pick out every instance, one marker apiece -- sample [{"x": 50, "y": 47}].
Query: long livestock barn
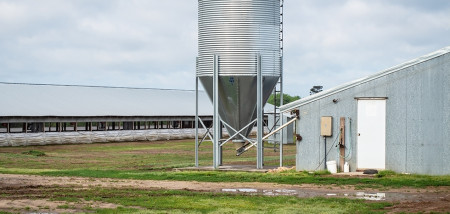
[
  {"x": 33, "y": 114},
  {"x": 40, "y": 114}
]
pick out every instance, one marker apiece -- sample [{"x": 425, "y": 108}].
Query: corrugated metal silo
[{"x": 238, "y": 32}]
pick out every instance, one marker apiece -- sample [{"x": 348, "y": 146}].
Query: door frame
[{"x": 358, "y": 128}]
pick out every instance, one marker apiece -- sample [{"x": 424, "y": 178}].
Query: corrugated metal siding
[
  {"x": 34, "y": 139},
  {"x": 417, "y": 120}
]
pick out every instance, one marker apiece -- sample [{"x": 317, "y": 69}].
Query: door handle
[{"x": 359, "y": 134}]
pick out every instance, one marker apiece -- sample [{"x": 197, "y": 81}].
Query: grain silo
[{"x": 237, "y": 40}]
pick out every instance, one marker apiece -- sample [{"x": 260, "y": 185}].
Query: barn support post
[
  {"x": 196, "y": 122},
  {"x": 220, "y": 147}
]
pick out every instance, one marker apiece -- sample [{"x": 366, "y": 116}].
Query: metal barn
[
  {"x": 41, "y": 114},
  {"x": 33, "y": 114},
  {"x": 397, "y": 119}
]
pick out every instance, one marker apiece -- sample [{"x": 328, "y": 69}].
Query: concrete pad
[
  {"x": 233, "y": 168},
  {"x": 352, "y": 174}
]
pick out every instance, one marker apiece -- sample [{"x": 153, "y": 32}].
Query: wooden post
[{"x": 342, "y": 144}]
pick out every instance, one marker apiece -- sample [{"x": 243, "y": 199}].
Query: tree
[
  {"x": 315, "y": 89},
  {"x": 286, "y": 99}
]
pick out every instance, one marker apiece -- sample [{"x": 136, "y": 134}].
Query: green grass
[
  {"x": 391, "y": 181},
  {"x": 384, "y": 173},
  {"x": 130, "y": 156},
  {"x": 34, "y": 153},
  {"x": 153, "y": 161},
  {"x": 175, "y": 201}
]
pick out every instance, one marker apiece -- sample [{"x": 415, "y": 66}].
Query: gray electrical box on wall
[{"x": 326, "y": 126}]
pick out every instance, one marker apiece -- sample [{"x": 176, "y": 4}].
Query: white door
[{"x": 371, "y": 134}]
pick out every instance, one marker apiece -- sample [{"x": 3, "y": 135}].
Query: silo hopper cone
[{"x": 238, "y": 101}]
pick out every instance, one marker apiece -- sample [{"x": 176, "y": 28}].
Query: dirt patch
[
  {"x": 12, "y": 180},
  {"x": 155, "y": 151},
  {"x": 440, "y": 206},
  {"x": 44, "y": 205},
  {"x": 435, "y": 199},
  {"x": 280, "y": 169}
]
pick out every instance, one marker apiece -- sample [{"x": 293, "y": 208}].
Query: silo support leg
[
  {"x": 216, "y": 117},
  {"x": 260, "y": 148}
]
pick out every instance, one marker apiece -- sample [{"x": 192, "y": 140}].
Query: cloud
[
  {"x": 84, "y": 42},
  {"x": 152, "y": 43},
  {"x": 330, "y": 43}
]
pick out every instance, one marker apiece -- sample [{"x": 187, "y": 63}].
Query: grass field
[
  {"x": 174, "y": 201},
  {"x": 154, "y": 161},
  {"x": 146, "y": 156}
]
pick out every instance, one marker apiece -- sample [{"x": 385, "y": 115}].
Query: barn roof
[
  {"x": 19, "y": 99},
  {"x": 312, "y": 98},
  {"x": 40, "y": 100}
]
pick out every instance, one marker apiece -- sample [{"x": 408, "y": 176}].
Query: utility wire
[
  {"x": 335, "y": 140},
  {"x": 92, "y": 86}
]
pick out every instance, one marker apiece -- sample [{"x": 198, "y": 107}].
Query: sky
[{"x": 153, "y": 43}]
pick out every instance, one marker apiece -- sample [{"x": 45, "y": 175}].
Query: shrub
[
  {"x": 384, "y": 173},
  {"x": 34, "y": 153}
]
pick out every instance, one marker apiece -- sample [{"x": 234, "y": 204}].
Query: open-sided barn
[
  {"x": 37, "y": 114},
  {"x": 40, "y": 114}
]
